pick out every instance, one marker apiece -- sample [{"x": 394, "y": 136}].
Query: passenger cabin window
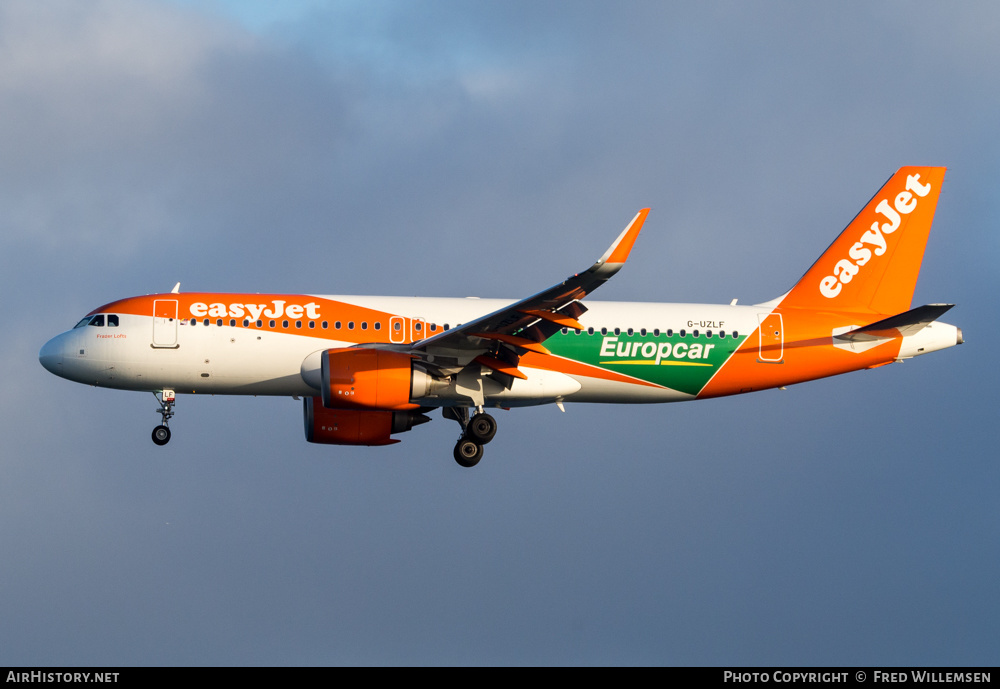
[
  {"x": 378, "y": 325},
  {"x": 98, "y": 320}
]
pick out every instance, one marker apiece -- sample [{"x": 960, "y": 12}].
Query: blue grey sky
[{"x": 490, "y": 149}]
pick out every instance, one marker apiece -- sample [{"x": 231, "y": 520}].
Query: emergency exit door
[{"x": 772, "y": 338}]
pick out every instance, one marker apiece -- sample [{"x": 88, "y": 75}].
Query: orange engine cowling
[
  {"x": 356, "y": 378},
  {"x": 353, "y": 427}
]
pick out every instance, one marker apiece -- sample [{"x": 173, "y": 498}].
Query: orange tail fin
[{"x": 874, "y": 263}]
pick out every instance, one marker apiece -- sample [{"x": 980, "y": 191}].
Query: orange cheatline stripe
[
  {"x": 522, "y": 342},
  {"x": 501, "y": 366},
  {"x": 328, "y": 310},
  {"x": 557, "y": 318}
]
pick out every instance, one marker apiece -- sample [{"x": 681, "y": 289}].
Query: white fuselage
[{"x": 226, "y": 360}]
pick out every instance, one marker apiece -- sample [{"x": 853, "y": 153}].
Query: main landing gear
[
  {"x": 161, "y": 434},
  {"x": 475, "y": 433}
]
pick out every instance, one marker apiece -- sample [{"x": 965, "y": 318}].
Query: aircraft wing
[{"x": 497, "y": 340}]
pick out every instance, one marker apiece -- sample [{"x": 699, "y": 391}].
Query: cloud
[{"x": 453, "y": 149}]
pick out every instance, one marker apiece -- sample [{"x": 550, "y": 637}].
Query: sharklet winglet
[{"x": 618, "y": 252}]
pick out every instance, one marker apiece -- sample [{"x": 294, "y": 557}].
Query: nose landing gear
[
  {"x": 161, "y": 434},
  {"x": 475, "y": 433}
]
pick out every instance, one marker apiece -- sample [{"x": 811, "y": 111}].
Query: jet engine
[
  {"x": 370, "y": 379},
  {"x": 353, "y": 427}
]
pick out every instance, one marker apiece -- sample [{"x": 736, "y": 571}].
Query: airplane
[{"x": 368, "y": 368}]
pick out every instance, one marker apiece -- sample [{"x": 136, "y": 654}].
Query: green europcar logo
[
  {"x": 680, "y": 362},
  {"x": 655, "y": 353}
]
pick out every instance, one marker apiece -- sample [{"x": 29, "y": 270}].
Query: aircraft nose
[{"x": 51, "y": 356}]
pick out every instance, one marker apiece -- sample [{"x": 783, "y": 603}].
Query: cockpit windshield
[{"x": 98, "y": 321}]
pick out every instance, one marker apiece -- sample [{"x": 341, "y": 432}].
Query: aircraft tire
[
  {"x": 468, "y": 453},
  {"x": 161, "y": 435},
  {"x": 481, "y": 429}
]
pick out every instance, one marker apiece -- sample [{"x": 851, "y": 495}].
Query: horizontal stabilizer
[{"x": 902, "y": 324}]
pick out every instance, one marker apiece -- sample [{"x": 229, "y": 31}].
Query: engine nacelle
[
  {"x": 359, "y": 378},
  {"x": 353, "y": 427}
]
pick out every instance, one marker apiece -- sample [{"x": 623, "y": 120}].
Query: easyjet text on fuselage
[{"x": 275, "y": 309}]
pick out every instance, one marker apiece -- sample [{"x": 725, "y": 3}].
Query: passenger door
[{"x": 165, "y": 323}]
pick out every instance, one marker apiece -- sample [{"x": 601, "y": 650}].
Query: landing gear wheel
[
  {"x": 481, "y": 429},
  {"x": 161, "y": 435},
  {"x": 167, "y": 399},
  {"x": 468, "y": 453}
]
